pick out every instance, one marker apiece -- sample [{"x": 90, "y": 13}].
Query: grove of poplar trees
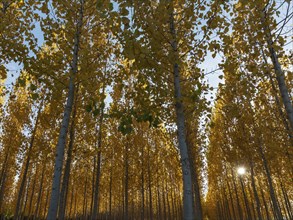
[{"x": 107, "y": 112}]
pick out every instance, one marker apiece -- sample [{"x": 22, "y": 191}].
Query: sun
[{"x": 241, "y": 170}]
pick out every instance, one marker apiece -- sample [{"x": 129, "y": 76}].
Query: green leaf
[
  {"x": 96, "y": 112},
  {"x": 88, "y": 108},
  {"x": 111, "y": 7},
  {"x": 35, "y": 96}
]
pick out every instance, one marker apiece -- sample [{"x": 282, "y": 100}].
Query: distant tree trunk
[
  {"x": 270, "y": 182},
  {"x": 240, "y": 214},
  {"x": 66, "y": 175},
  {"x": 32, "y": 193},
  {"x": 226, "y": 204},
  {"x": 26, "y": 196},
  {"x": 84, "y": 209},
  {"x": 55, "y": 193},
  {"x": 3, "y": 178},
  {"x": 168, "y": 202},
  {"x": 173, "y": 204},
  {"x": 158, "y": 198},
  {"x": 286, "y": 199},
  {"x": 38, "y": 205},
  {"x": 150, "y": 186},
  {"x": 231, "y": 198},
  {"x": 164, "y": 203},
  {"x": 188, "y": 213},
  {"x": 142, "y": 183},
  {"x": 93, "y": 184},
  {"x": 126, "y": 166},
  {"x": 27, "y": 163},
  {"x": 46, "y": 203},
  {"x": 110, "y": 188},
  {"x": 248, "y": 213},
  {"x": 265, "y": 204},
  {"x": 256, "y": 198},
  {"x": 71, "y": 202},
  {"x": 98, "y": 165}
]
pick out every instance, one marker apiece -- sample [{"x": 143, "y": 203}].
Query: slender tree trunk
[
  {"x": 168, "y": 202},
  {"x": 110, "y": 188},
  {"x": 265, "y": 204},
  {"x": 164, "y": 203},
  {"x": 270, "y": 182},
  {"x": 126, "y": 166},
  {"x": 150, "y": 186},
  {"x": 279, "y": 72},
  {"x": 240, "y": 214},
  {"x": 256, "y": 198},
  {"x": 27, "y": 163},
  {"x": 248, "y": 213},
  {"x": 173, "y": 204},
  {"x": 71, "y": 202},
  {"x": 286, "y": 199},
  {"x": 93, "y": 184},
  {"x": 194, "y": 174},
  {"x": 159, "y": 200},
  {"x": 231, "y": 199},
  {"x": 66, "y": 175},
  {"x": 32, "y": 194},
  {"x": 142, "y": 184},
  {"x": 188, "y": 213},
  {"x": 220, "y": 216},
  {"x": 36, "y": 215},
  {"x": 84, "y": 209},
  {"x": 46, "y": 203},
  {"x": 3, "y": 179},
  {"x": 55, "y": 193},
  {"x": 26, "y": 196},
  {"x": 98, "y": 166},
  {"x": 225, "y": 201}
]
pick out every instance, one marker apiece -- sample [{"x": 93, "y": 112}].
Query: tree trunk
[
  {"x": 84, "y": 209},
  {"x": 98, "y": 165},
  {"x": 32, "y": 194},
  {"x": 27, "y": 163},
  {"x": 188, "y": 212},
  {"x": 71, "y": 202},
  {"x": 194, "y": 174},
  {"x": 150, "y": 186},
  {"x": 265, "y": 204},
  {"x": 231, "y": 197},
  {"x": 142, "y": 183},
  {"x": 270, "y": 182},
  {"x": 55, "y": 193},
  {"x": 256, "y": 198},
  {"x": 159, "y": 212},
  {"x": 38, "y": 205},
  {"x": 245, "y": 199},
  {"x": 26, "y": 196},
  {"x": 126, "y": 165},
  {"x": 279, "y": 73},
  {"x": 110, "y": 188},
  {"x": 3, "y": 179},
  {"x": 240, "y": 214},
  {"x": 286, "y": 199},
  {"x": 66, "y": 175},
  {"x": 46, "y": 203}
]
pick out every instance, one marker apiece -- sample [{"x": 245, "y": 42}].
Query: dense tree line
[{"x": 110, "y": 118}]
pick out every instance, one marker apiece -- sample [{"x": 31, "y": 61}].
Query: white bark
[
  {"x": 54, "y": 200},
  {"x": 188, "y": 212},
  {"x": 279, "y": 73}
]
